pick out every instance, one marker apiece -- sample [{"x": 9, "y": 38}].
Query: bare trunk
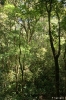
[
  {"x": 57, "y": 76},
  {"x": 22, "y": 81},
  {"x": 65, "y": 68},
  {"x": 16, "y": 79}
]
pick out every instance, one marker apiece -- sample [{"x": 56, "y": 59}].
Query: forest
[{"x": 32, "y": 49}]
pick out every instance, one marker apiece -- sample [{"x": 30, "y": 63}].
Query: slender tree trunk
[
  {"x": 57, "y": 75},
  {"x": 56, "y": 56},
  {"x": 65, "y": 69},
  {"x": 16, "y": 79},
  {"x": 21, "y": 62},
  {"x": 22, "y": 76}
]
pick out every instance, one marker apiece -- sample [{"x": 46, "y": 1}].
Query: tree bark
[
  {"x": 65, "y": 69},
  {"x": 57, "y": 75}
]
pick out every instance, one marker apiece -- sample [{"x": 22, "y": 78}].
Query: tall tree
[{"x": 54, "y": 6}]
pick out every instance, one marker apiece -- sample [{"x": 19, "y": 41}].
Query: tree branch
[{"x": 49, "y": 23}]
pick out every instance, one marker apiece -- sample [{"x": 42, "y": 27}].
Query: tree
[{"x": 55, "y": 50}]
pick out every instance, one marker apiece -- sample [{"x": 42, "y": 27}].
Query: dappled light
[{"x": 32, "y": 50}]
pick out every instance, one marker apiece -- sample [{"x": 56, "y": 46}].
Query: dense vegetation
[{"x": 32, "y": 49}]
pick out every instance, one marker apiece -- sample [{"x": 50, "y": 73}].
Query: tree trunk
[
  {"x": 65, "y": 69},
  {"x": 56, "y": 56},
  {"x": 16, "y": 79},
  {"x": 57, "y": 75},
  {"x": 22, "y": 72}
]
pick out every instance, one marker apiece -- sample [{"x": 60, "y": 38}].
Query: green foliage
[{"x": 26, "y": 62}]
